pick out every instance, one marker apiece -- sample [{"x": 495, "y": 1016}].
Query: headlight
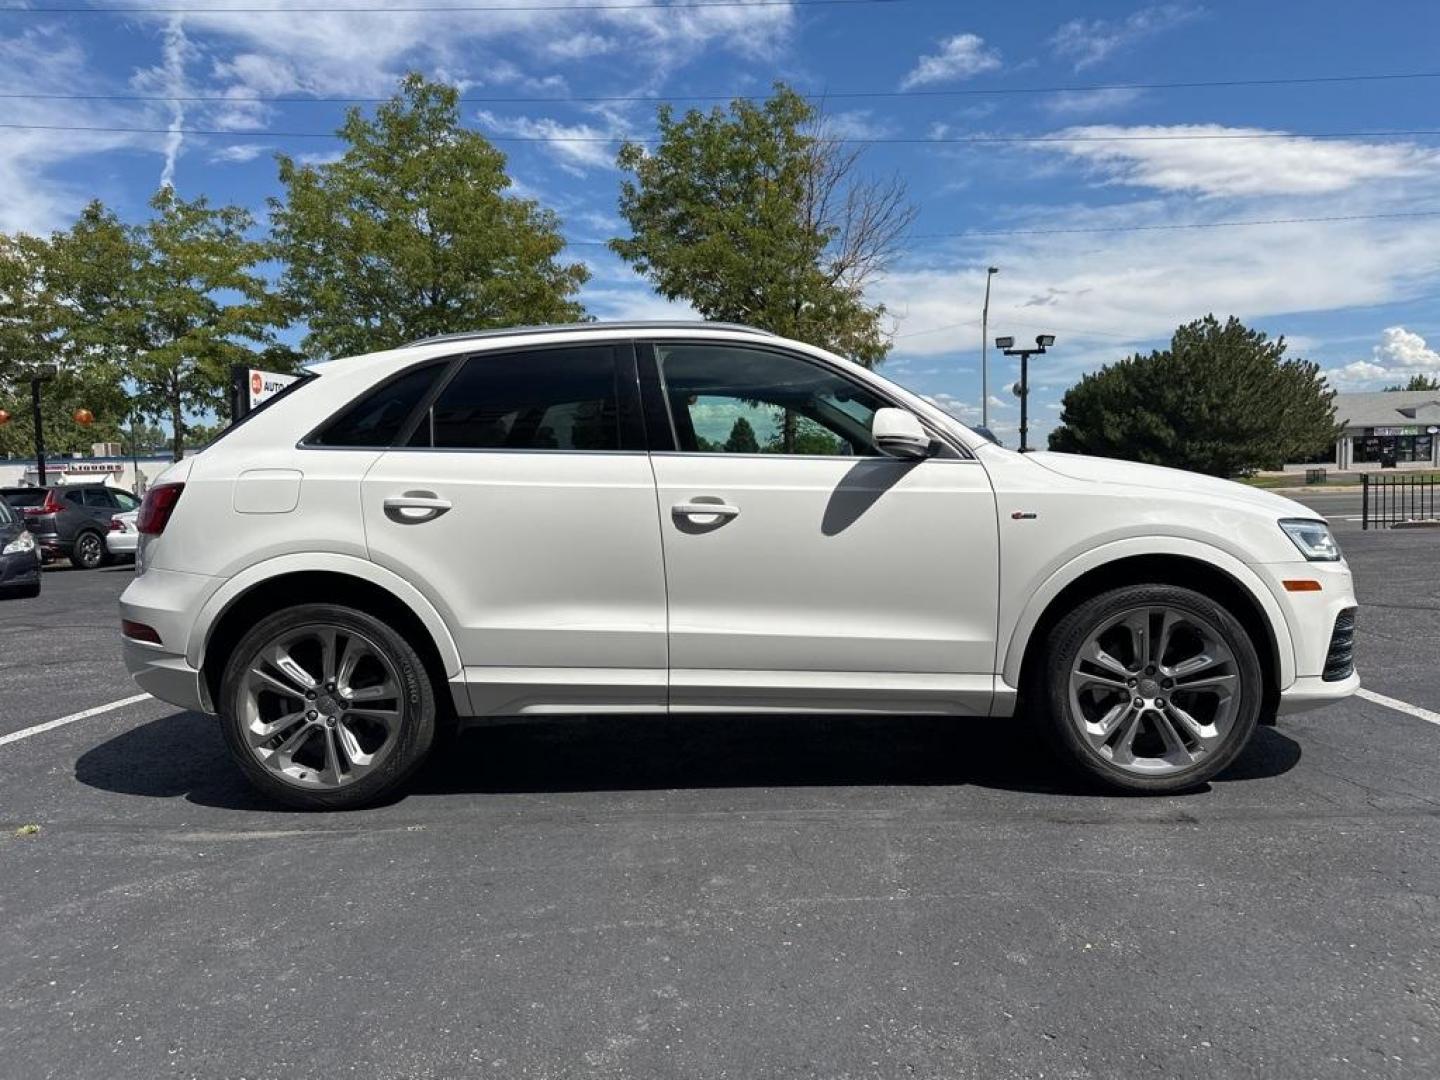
[
  {"x": 1313, "y": 538},
  {"x": 22, "y": 543}
]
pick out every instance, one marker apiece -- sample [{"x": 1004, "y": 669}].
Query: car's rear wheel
[
  {"x": 326, "y": 707},
  {"x": 89, "y": 551},
  {"x": 1150, "y": 688}
]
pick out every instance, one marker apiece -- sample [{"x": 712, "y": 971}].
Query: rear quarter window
[{"x": 377, "y": 417}]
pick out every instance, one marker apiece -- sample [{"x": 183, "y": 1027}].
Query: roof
[
  {"x": 1388, "y": 408},
  {"x": 559, "y": 328}
]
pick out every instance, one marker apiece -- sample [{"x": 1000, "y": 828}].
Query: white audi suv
[{"x": 704, "y": 518}]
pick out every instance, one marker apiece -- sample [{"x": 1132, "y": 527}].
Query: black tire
[
  {"x": 417, "y": 731},
  {"x": 1049, "y": 687},
  {"x": 88, "y": 552}
]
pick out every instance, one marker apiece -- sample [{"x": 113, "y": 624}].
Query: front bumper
[
  {"x": 20, "y": 570},
  {"x": 1313, "y": 692}
]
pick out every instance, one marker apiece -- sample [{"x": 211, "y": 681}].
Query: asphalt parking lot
[{"x": 746, "y": 898}]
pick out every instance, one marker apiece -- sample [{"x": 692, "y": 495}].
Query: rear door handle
[
  {"x": 705, "y": 509},
  {"x": 415, "y": 507}
]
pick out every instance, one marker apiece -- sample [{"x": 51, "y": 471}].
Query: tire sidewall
[
  {"x": 99, "y": 547},
  {"x": 1070, "y": 633},
  {"x": 412, "y": 744}
]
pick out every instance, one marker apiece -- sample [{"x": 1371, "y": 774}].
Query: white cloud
[
  {"x": 176, "y": 51},
  {"x": 1105, "y": 295},
  {"x": 1405, "y": 350},
  {"x": 856, "y": 124},
  {"x": 1087, "y": 42},
  {"x": 46, "y": 59},
  {"x": 960, "y": 57},
  {"x": 1087, "y": 102},
  {"x": 238, "y": 153},
  {"x": 1400, "y": 354},
  {"x": 1355, "y": 375},
  {"x": 1209, "y": 159},
  {"x": 579, "y": 147}
]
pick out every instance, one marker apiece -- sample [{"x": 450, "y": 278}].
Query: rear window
[
  {"x": 25, "y": 497},
  {"x": 545, "y": 399},
  {"x": 377, "y": 418}
]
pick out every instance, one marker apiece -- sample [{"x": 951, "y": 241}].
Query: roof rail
[{"x": 560, "y": 328}]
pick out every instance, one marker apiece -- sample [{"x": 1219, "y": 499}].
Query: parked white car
[
  {"x": 123, "y": 537},
  {"x": 576, "y": 520}
]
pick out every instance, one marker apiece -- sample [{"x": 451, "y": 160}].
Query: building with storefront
[{"x": 1392, "y": 427}]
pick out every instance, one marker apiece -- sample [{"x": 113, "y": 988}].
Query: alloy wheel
[
  {"x": 89, "y": 551},
  {"x": 1154, "y": 690},
  {"x": 321, "y": 706}
]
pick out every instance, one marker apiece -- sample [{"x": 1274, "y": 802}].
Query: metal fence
[{"x": 1397, "y": 499}]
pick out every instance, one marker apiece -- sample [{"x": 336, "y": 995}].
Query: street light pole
[
  {"x": 984, "y": 343},
  {"x": 1022, "y": 388},
  {"x": 35, "y": 382}
]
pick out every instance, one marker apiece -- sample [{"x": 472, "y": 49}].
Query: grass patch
[{"x": 27, "y": 830}]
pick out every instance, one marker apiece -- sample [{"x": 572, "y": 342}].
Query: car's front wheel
[
  {"x": 1150, "y": 688},
  {"x": 326, "y": 707}
]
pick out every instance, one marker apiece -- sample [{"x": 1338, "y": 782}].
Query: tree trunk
[{"x": 177, "y": 419}]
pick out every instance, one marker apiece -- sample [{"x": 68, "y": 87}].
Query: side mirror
[{"x": 899, "y": 434}]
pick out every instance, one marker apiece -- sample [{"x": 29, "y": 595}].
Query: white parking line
[
  {"x": 50, "y": 725},
  {"x": 1401, "y": 706}
]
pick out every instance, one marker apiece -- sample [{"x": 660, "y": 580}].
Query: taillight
[
  {"x": 155, "y": 511},
  {"x": 51, "y": 505},
  {"x": 116, "y": 525}
]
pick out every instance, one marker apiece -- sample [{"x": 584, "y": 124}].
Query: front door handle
[
  {"x": 723, "y": 511},
  {"x": 415, "y": 507}
]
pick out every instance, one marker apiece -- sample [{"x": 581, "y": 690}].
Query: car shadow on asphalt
[{"x": 182, "y": 755}]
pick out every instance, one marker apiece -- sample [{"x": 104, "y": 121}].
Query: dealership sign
[{"x": 266, "y": 384}]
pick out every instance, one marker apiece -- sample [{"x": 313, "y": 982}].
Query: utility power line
[
  {"x": 918, "y": 140},
  {"x": 593, "y": 99},
  {"x": 1136, "y": 228},
  {"x": 420, "y": 9}
]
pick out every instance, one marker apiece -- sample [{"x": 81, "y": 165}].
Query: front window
[{"x": 741, "y": 400}]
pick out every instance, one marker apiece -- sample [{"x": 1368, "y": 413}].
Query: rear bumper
[
  {"x": 1312, "y": 692},
  {"x": 166, "y": 675},
  {"x": 118, "y": 543},
  {"x": 167, "y": 602}
]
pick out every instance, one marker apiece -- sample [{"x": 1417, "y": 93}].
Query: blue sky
[{"x": 1358, "y": 296}]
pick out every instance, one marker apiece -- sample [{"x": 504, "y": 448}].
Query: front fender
[
  {"x": 328, "y": 562},
  {"x": 1019, "y": 636}
]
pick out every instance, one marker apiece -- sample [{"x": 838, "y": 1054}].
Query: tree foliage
[
  {"x": 1223, "y": 399},
  {"x": 37, "y": 322},
  {"x": 754, "y": 215},
  {"x": 1418, "y": 382},
  {"x": 410, "y": 233},
  {"x": 172, "y": 303},
  {"x": 742, "y": 438}
]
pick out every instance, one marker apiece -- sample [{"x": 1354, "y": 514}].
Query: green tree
[
  {"x": 410, "y": 233},
  {"x": 742, "y": 438},
  {"x": 171, "y": 303},
  {"x": 755, "y": 215},
  {"x": 1223, "y": 399},
  {"x": 1418, "y": 382},
  {"x": 36, "y": 320}
]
